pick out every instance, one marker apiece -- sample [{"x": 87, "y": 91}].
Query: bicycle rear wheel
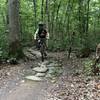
[{"x": 42, "y": 50}]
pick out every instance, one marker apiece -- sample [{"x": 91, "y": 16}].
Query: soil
[{"x": 72, "y": 84}]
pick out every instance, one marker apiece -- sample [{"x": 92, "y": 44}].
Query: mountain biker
[{"x": 41, "y": 33}]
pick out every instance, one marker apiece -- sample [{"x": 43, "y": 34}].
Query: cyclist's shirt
[{"x": 41, "y": 34}]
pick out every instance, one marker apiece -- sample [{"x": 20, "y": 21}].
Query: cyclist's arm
[
  {"x": 35, "y": 35},
  {"x": 47, "y": 36}
]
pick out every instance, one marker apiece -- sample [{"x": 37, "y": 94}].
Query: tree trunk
[
  {"x": 35, "y": 12},
  {"x": 47, "y": 14},
  {"x": 80, "y": 4},
  {"x": 14, "y": 29},
  {"x": 53, "y": 16},
  {"x": 57, "y": 15},
  {"x": 86, "y": 24},
  {"x": 42, "y": 10}
]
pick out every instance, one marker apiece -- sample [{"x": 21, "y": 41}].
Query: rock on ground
[
  {"x": 40, "y": 69},
  {"x": 40, "y": 75},
  {"x": 34, "y": 78}
]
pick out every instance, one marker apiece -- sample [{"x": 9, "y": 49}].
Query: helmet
[{"x": 41, "y": 24}]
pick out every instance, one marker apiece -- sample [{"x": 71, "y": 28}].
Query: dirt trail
[
  {"x": 16, "y": 87},
  {"x": 27, "y": 91},
  {"x": 21, "y": 89},
  {"x": 71, "y": 85}
]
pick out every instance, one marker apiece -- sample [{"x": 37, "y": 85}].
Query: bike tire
[{"x": 42, "y": 49}]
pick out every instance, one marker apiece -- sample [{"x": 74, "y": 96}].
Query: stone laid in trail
[
  {"x": 46, "y": 62},
  {"x": 31, "y": 54},
  {"x": 53, "y": 65},
  {"x": 34, "y": 78},
  {"x": 42, "y": 69},
  {"x": 37, "y": 53},
  {"x": 40, "y": 74},
  {"x": 28, "y": 55},
  {"x": 46, "y": 69}
]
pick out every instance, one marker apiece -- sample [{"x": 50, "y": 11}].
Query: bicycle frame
[{"x": 41, "y": 42}]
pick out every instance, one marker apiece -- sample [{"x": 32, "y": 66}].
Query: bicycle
[{"x": 42, "y": 48}]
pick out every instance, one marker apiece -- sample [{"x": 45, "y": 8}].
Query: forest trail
[
  {"x": 71, "y": 85},
  {"x": 27, "y": 91},
  {"x": 23, "y": 89},
  {"x": 17, "y": 87}
]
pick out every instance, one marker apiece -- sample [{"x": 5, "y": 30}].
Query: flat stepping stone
[
  {"x": 53, "y": 65},
  {"x": 40, "y": 75},
  {"x": 33, "y": 78},
  {"x": 32, "y": 54},
  {"x": 37, "y": 53},
  {"x": 42, "y": 69},
  {"x": 45, "y": 62}
]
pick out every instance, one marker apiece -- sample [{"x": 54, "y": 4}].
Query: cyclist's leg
[
  {"x": 38, "y": 44},
  {"x": 42, "y": 49},
  {"x": 45, "y": 48}
]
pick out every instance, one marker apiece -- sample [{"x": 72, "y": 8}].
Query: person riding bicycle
[{"x": 41, "y": 33}]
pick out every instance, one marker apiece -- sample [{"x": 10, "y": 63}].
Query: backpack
[{"x": 42, "y": 33}]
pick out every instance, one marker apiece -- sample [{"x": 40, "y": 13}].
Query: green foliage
[
  {"x": 88, "y": 66},
  {"x": 98, "y": 66},
  {"x": 3, "y": 45},
  {"x": 55, "y": 71},
  {"x": 63, "y": 19}
]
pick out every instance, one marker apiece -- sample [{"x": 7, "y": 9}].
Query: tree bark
[
  {"x": 42, "y": 10},
  {"x": 80, "y": 19},
  {"x": 53, "y": 16},
  {"x": 35, "y": 12},
  {"x": 57, "y": 16},
  {"x": 15, "y": 49},
  {"x": 47, "y": 14}
]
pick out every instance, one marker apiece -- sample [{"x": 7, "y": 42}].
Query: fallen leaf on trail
[
  {"x": 62, "y": 93},
  {"x": 97, "y": 86}
]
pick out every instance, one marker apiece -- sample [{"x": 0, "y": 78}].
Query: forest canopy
[{"x": 62, "y": 17}]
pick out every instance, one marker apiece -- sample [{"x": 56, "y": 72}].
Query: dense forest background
[{"x": 71, "y": 23}]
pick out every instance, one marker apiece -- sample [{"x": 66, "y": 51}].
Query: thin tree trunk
[
  {"x": 42, "y": 10},
  {"x": 35, "y": 12},
  {"x": 80, "y": 18},
  {"x": 52, "y": 16},
  {"x": 57, "y": 15},
  {"x": 4, "y": 20},
  {"x": 47, "y": 14},
  {"x": 86, "y": 24}
]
